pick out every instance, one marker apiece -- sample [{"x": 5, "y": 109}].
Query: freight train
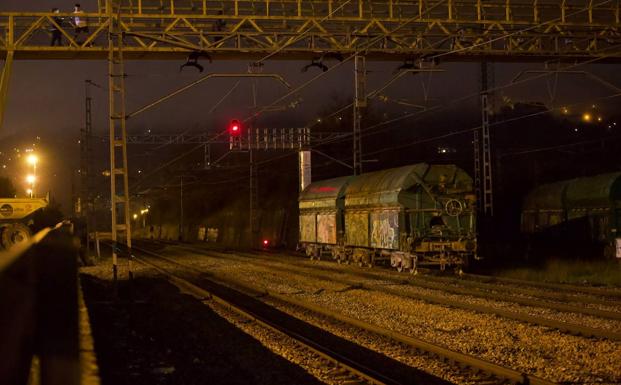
[
  {"x": 408, "y": 216},
  {"x": 577, "y": 212},
  {"x": 16, "y": 217}
]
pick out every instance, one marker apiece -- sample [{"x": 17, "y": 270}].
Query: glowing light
[
  {"x": 135, "y": 216},
  {"x": 599, "y": 118},
  {"x": 144, "y": 211},
  {"x": 31, "y": 179},
  {"x": 235, "y": 127},
  {"x": 266, "y": 242},
  {"x": 29, "y": 192},
  {"x": 586, "y": 117},
  {"x": 32, "y": 159},
  {"x": 565, "y": 110}
]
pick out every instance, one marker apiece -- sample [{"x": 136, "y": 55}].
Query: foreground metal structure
[{"x": 288, "y": 29}]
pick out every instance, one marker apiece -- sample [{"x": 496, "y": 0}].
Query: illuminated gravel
[{"x": 535, "y": 350}]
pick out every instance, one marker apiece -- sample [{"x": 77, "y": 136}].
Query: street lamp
[
  {"x": 31, "y": 179},
  {"x": 32, "y": 159}
]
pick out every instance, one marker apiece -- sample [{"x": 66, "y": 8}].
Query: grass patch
[{"x": 604, "y": 273}]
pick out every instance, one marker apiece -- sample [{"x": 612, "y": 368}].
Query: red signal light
[
  {"x": 266, "y": 242},
  {"x": 235, "y": 127}
]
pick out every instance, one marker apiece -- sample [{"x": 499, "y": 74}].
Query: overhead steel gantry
[
  {"x": 294, "y": 29},
  {"x": 448, "y": 30}
]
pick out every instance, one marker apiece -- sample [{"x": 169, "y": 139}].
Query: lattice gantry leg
[
  {"x": 4, "y": 83},
  {"x": 119, "y": 186}
]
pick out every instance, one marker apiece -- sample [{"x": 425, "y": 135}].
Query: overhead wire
[
  {"x": 439, "y": 108},
  {"x": 381, "y": 36},
  {"x": 403, "y": 24}
]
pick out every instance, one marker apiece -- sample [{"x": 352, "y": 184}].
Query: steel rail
[
  {"x": 486, "y": 283},
  {"x": 480, "y": 293},
  {"x": 562, "y": 326},
  {"x": 548, "y": 285},
  {"x": 365, "y": 373},
  {"x": 559, "y": 296},
  {"x": 419, "y": 344}
]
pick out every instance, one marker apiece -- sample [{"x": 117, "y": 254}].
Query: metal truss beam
[
  {"x": 259, "y": 138},
  {"x": 5, "y": 76},
  {"x": 500, "y": 30}
]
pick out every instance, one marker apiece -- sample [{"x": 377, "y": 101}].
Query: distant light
[
  {"x": 32, "y": 159},
  {"x": 31, "y": 179},
  {"x": 593, "y": 106},
  {"x": 586, "y": 117},
  {"x": 135, "y": 216},
  {"x": 565, "y": 110},
  {"x": 575, "y": 129},
  {"x": 29, "y": 191},
  {"x": 318, "y": 120},
  {"x": 139, "y": 171},
  {"x": 266, "y": 242},
  {"x": 599, "y": 118}
]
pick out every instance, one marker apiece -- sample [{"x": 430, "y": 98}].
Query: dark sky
[{"x": 46, "y": 98}]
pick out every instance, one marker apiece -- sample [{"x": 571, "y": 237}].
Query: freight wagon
[
  {"x": 16, "y": 216},
  {"x": 579, "y": 212},
  {"x": 407, "y": 216}
]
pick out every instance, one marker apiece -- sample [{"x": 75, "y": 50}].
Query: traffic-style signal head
[{"x": 234, "y": 127}]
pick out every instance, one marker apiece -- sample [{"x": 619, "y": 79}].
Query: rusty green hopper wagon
[
  {"x": 579, "y": 211},
  {"x": 407, "y": 216},
  {"x": 321, "y": 215}
]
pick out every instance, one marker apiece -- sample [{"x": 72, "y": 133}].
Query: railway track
[
  {"x": 552, "y": 291},
  {"x": 347, "y": 369},
  {"x": 561, "y": 292},
  {"x": 493, "y": 373},
  {"x": 566, "y": 327},
  {"x": 603, "y": 292}
]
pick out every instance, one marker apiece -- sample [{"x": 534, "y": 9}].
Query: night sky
[{"x": 46, "y": 99}]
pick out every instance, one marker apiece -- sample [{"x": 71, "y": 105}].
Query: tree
[{"x": 7, "y": 190}]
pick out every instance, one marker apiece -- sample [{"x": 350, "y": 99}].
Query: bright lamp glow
[
  {"x": 32, "y": 159},
  {"x": 30, "y": 179}
]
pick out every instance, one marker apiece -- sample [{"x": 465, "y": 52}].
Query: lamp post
[
  {"x": 31, "y": 180},
  {"x": 32, "y": 159}
]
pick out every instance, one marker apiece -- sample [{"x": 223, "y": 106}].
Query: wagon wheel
[{"x": 453, "y": 207}]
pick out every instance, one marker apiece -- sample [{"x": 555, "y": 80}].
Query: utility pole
[
  {"x": 253, "y": 68},
  {"x": 87, "y": 206},
  {"x": 482, "y": 146},
  {"x": 360, "y": 102}
]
